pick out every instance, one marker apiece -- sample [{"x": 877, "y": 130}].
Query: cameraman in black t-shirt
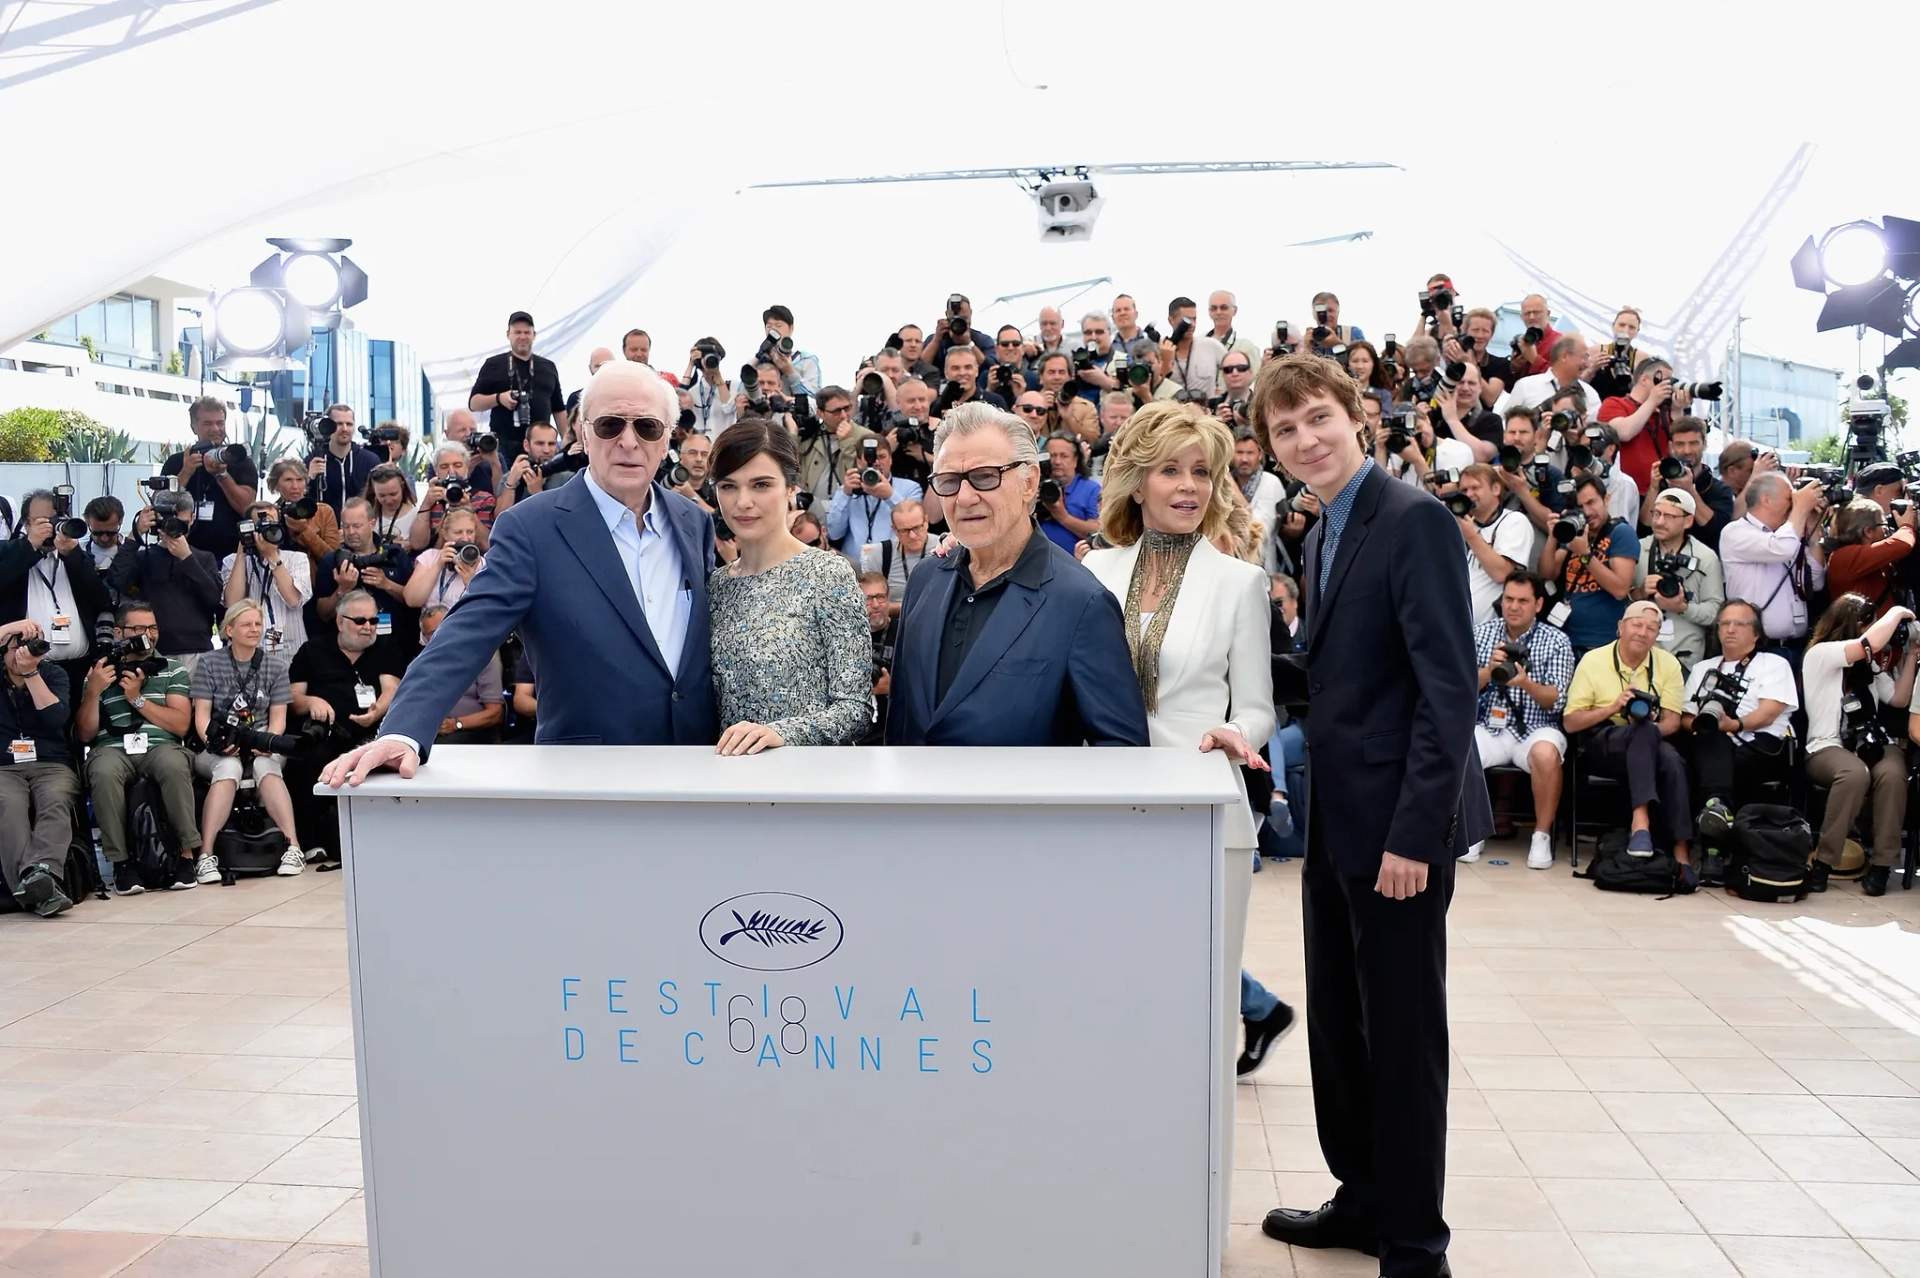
[
  {"x": 221, "y": 479},
  {"x": 365, "y": 562},
  {"x": 519, "y": 388},
  {"x": 1496, "y": 371},
  {"x": 527, "y": 475},
  {"x": 344, "y": 681}
]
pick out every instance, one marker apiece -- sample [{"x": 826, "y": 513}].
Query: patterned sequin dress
[{"x": 792, "y": 651}]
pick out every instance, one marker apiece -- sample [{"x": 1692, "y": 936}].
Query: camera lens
[
  {"x": 872, "y": 385},
  {"x": 468, "y": 553},
  {"x": 1510, "y": 458},
  {"x": 1672, "y": 468},
  {"x": 871, "y": 477}
]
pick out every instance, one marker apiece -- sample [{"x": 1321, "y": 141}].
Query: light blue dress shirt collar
[{"x": 651, "y": 558}]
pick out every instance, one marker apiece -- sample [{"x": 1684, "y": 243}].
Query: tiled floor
[{"x": 1642, "y": 1088}]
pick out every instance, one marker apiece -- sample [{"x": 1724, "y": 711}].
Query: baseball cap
[
  {"x": 1875, "y": 475},
  {"x": 1642, "y": 608},
  {"x": 521, "y": 317},
  {"x": 1677, "y": 497}
]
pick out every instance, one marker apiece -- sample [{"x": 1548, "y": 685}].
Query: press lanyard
[{"x": 266, "y": 587}]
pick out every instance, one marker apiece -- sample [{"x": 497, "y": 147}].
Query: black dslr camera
[
  {"x": 711, "y": 353},
  {"x": 1513, "y": 658},
  {"x": 1672, "y": 469},
  {"x": 252, "y": 534},
  {"x": 1642, "y": 705},
  {"x": 381, "y": 558},
  {"x": 1861, "y": 727},
  {"x": 380, "y": 436},
  {"x": 64, "y": 522},
  {"x": 225, "y": 733},
  {"x": 1568, "y": 526},
  {"x": 870, "y": 476},
  {"x": 1671, "y": 569},
  {"x": 1401, "y": 433},
  {"x": 1083, "y": 357},
  {"x": 456, "y": 491},
  {"x": 562, "y": 464},
  {"x": 1719, "y": 699},
  {"x": 1050, "y": 493},
  {"x": 909, "y": 431},
  {"x": 957, "y": 326},
  {"x": 135, "y": 653},
  {"x": 1459, "y": 504},
  {"x": 305, "y": 508},
  {"x": 34, "y": 647}
]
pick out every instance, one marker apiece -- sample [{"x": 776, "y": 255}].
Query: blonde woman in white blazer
[{"x": 1198, "y": 624}]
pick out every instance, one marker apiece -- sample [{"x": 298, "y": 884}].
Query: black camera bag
[{"x": 1773, "y": 846}]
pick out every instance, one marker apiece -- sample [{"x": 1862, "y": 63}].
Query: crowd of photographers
[{"x": 1708, "y": 638}]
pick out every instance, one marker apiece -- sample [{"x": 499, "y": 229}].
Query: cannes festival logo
[{"x": 771, "y": 931}]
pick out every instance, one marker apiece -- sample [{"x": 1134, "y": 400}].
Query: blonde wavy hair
[{"x": 1152, "y": 435}]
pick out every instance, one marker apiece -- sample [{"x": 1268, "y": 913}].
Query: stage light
[
  {"x": 1806, "y": 268},
  {"x": 1853, "y": 255},
  {"x": 312, "y": 279},
  {"x": 1878, "y": 304},
  {"x": 249, "y": 321}
]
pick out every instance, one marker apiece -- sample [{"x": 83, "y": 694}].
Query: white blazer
[{"x": 1216, "y": 659}]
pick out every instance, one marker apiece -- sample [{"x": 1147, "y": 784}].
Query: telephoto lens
[
  {"x": 456, "y": 492},
  {"x": 1579, "y": 457},
  {"x": 36, "y": 647},
  {"x": 72, "y": 529},
  {"x": 1049, "y": 491},
  {"x": 678, "y": 475},
  {"x": 468, "y": 553},
  {"x": 872, "y": 385},
  {"x": 1567, "y": 527},
  {"x": 1672, "y": 468},
  {"x": 1459, "y": 503},
  {"x": 1510, "y": 459}
]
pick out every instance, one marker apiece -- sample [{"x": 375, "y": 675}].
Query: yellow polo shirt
[{"x": 1598, "y": 680}]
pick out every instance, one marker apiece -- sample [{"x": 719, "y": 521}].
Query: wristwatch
[
  {"x": 138, "y": 701},
  {"x": 459, "y": 726}
]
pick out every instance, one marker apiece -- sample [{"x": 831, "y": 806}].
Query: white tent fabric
[{"x": 582, "y": 160}]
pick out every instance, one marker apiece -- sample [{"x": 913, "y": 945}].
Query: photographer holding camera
[
  {"x": 450, "y": 489},
  {"x": 1859, "y": 683},
  {"x": 1868, "y": 548},
  {"x": 1222, "y": 308},
  {"x": 1770, "y": 555},
  {"x": 1328, "y": 336},
  {"x": 1189, "y": 361},
  {"x": 1065, "y": 410},
  {"x": 39, "y": 789},
  {"x": 955, "y": 331},
  {"x": 363, "y": 562},
  {"x": 338, "y": 469},
  {"x": 1007, "y": 377},
  {"x": 1532, "y": 349},
  {"x": 1610, "y": 367},
  {"x": 1068, "y": 506},
  {"x": 1644, "y": 419},
  {"x": 1474, "y": 346},
  {"x": 518, "y": 387},
  {"x": 442, "y": 574},
  {"x": 1627, "y": 695},
  {"x": 240, "y": 691},
  {"x": 1567, "y": 360},
  {"x": 861, "y": 514},
  {"x": 831, "y": 445},
  {"x": 543, "y": 466},
  {"x": 1479, "y": 428},
  {"x": 713, "y": 408},
  {"x": 344, "y": 681},
  {"x": 1533, "y": 483},
  {"x": 1092, "y": 358},
  {"x": 1236, "y": 390},
  {"x": 1525, "y": 668},
  {"x": 135, "y": 710},
  {"x": 1712, "y": 499},
  {"x": 799, "y": 371},
  {"x": 163, "y": 569},
  {"x": 104, "y": 515},
  {"x": 310, "y": 523},
  {"x": 280, "y": 583},
  {"x": 1737, "y": 709},
  {"x": 47, "y": 577},
  {"x": 962, "y": 367},
  {"x": 1682, "y": 577},
  {"x": 220, "y": 477},
  {"x": 1592, "y": 556},
  {"x": 1499, "y": 540}
]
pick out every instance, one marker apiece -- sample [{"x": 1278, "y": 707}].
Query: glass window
[
  {"x": 119, "y": 323},
  {"x": 93, "y": 322},
  {"x": 143, "y": 318}
]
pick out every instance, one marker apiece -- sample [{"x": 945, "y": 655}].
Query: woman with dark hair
[
  {"x": 1365, "y": 366},
  {"x": 1864, "y": 554},
  {"x": 792, "y": 653},
  {"x": 1857, "y": 683}
]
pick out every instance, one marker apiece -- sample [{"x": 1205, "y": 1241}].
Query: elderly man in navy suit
[
  {"x": 607, "y": 581},
  {"x": 1007, "y": 641},
  {"x": 1395, "y": 795}
]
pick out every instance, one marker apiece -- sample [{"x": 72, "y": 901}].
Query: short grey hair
[
  {"x": 970, "y": 419},
  {"x": 1763, "y": 484},
  {"x": 453, "y": 448},
  {"x": 1102, "y": 316},
  {"x": 1423, "y": 346},
  {"x": 351, "y": 597}
]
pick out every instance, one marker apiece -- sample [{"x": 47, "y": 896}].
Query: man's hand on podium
[{"x": 354, "y": 766}]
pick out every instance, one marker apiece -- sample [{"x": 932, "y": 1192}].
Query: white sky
[{"x": 1619, "y": 149}]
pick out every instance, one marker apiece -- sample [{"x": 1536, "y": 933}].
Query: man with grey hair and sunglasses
[
  {"x": 620, "y": 559},
  {"x": 1007, "y": 641}
]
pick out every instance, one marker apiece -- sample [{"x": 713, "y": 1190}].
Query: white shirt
[
  {"x": 654, "y": 570},
  {"x": 1822, "y": 669},
  {"x": 1198, "y": 373},
  {"x": 1769, "y": 678},
  {"x": 281, "y": 615},
  {"x": 1511, "y": 536},
  {"x": 1758, "y": 565},
  {"x": 1531, "y": 392},
  {"x": 50, "y": 594},
  {"x": 1268, "y": 492},
  {"x": 1623, "y": 496},
  {"x": 1448, "y": 454}
]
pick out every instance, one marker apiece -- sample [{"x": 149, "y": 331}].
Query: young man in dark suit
[{"x": 1392, "y": 682}]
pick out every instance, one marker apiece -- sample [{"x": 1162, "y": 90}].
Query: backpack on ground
[
  {"x": 150, "y": 843},
  {"x": 1613, "y": 869},
  {"x": 1773, "y": 846}
]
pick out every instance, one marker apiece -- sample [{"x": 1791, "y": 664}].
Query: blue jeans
[
  {"x": 1288, "y": 753},
  {"x": 1256, "y": 1003}
]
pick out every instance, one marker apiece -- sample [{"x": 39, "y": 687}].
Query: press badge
[
  {"x": 1799, "y": 614},
  {"x": 61, "y": 631},
  {"x": 271, "y": 639},
  {"x": 363, "y": 696},
  {"x": 135, "y": 743},
  {"x": 1496, "y": 718},
  {"x": 23, "y": 751},
  {"x": 1558, "y": 617},
  {"x": 1666, "y": 629},
  {"x": 385, "y": 626},
  {"x": 206, "y": 510}
]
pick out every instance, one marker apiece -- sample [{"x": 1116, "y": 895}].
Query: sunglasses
[
  {"x": 1032, "y": 410},
  {"x": 360, "y": 621},
  {"x": 984, "y": 479},
  {"x": 612, "y": 426},
  {"x": 1235, "y": 368},
  {"x": 1008, "y": 341}
]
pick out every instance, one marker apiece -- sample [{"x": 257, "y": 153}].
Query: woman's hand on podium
[
  {"x": 354, "y": 766},
  {"x": 1235, "y": 747},
  {"x": 747, "y": 738}
]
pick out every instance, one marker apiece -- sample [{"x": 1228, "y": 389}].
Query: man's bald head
[
  {"x": 601, "y": 355},
  {"x": 460, "y": 425},
  {"x": 629, "y": 389}
]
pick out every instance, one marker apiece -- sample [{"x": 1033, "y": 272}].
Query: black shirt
[
  {"x": 503, "y": 372},
  {"x": 46, "y": 728},
  {"x": 1499, "y": 366},
  {"x": 218, "y": 532},
  {"x": 1488, "y": 425},
  {"x": 971, "y": 606},
  {"x": 330, "y": 676},
  {"x": 882, "y": 661},
  {"x": 185, "y": 594},
  {"x": 345, "y": 477}
]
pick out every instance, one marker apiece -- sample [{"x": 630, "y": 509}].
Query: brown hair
[
  {"x": 1151, "y": 435},
  {"x": 381, "y": 474},
  {"x": 750, "y": 437},
  {"x": 1291, "y": 380},
  {"x": 1846, "y": 618}
]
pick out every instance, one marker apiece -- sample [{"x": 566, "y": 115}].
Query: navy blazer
[
  {"x": 1391, "y": 763},
  {"x": 552, "y": 571},
  {"x": 1051, "y": 668}
]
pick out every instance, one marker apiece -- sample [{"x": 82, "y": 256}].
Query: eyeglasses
[
  {"x": 1031, "y": 410},
  {"x": 838, "y": 410},
  {"x": 1008, "y": 341},
  {"x": 984, "y": 479},
  {"x": 1235, "y": 368},
  {"x": 152, "y": 629},
  {"x": 360, "y": 621},
  {"x": 914, "y": 528},
  {"x": 612, "y": 426}
]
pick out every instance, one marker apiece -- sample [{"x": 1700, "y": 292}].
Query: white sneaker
[
  {"x": 292, "y": 861},
  {"x": 1473, "y": 853},
  {"x": 207, "y": 869},
  {"x": 1540, "y": 851}
]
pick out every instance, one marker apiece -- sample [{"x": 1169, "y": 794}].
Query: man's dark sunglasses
[
  {"x": 1235, "y": 368},
  {"x": 611, "y": 426},
  {"x": 1008, "y": 341},
  {"x": 984, "y": 479},
  {"x": 360, "y": 621}
]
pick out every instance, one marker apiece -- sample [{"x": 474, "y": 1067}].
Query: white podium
[{"x": 831, "y": 1013}]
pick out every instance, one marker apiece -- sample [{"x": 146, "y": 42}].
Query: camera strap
[
  {"x": 249, "y": 683},
  {"x": 266, "y": 587},
  {"x": 1627, "y": 677}
]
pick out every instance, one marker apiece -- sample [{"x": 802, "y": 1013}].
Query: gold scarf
[{"x": 1163, "y": 558}]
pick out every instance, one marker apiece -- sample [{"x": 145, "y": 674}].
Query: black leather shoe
[
  {"x": 1321, "y": 1227},
  {"x": 1875, "y": 882}
]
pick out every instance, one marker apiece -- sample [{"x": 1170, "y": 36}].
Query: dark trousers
[
  {"x": 36, "y": 817},
  {"x": 1734, "y": 773},
  {"x": 1655, "y": 775},
  {"x": 317, "y": 817},
  {"x": 1377, "y": 1040}
]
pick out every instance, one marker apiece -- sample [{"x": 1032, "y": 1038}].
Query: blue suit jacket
[
  {"x": 1391, "y": 763},
  {"x": 1051, "y": 668},
  {"x": 552, "y": 572}
]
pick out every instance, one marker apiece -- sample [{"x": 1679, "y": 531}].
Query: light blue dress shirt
[{"x": 654, "y": 570}]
